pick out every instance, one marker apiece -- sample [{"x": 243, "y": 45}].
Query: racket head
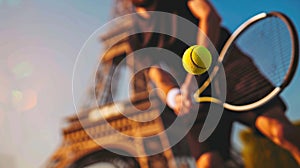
[{"x": 260, "y": 59}]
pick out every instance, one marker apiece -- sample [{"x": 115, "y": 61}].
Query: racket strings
[
  {"x": 253, "y": 95},
  {"x": 267, "y": 37},
  {"x": 283, "y": 45},
  {"x": 267, "y": 47},
  {"x": 246, "y": 85}
]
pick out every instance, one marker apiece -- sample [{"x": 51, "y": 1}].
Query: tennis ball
[{"x": 196, "y": 60}]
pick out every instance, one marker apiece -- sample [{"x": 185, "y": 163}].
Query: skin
[
  {"x": 275, "y": 125},
  {"x": 272, "y": 123},
  {"x": 210, "y": 25}
]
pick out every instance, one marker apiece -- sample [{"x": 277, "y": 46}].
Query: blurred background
[{"x": 39, "y": 43}]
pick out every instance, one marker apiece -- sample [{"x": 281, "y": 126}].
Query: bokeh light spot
[
  {"x": 24, "y": 100},
  {"x": 17, "y": 96},
  {"x": 23, "y": 69}
]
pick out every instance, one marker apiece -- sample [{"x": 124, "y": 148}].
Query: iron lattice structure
[
  {"x": 86, "y": 133},
  {"x": 87, "y": 136}
]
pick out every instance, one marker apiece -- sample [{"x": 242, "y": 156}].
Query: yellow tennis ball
[{"x": 196, "y": 60}]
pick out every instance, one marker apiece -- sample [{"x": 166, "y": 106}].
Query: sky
[
  {"x": 234, "y": 14},
  {"x": 39, "y": 44}
]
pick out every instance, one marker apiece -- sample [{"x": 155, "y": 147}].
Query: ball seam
[{"x": 194, "y": 61}]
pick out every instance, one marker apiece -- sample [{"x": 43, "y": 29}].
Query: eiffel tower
[{"x": 88, "y": 140}]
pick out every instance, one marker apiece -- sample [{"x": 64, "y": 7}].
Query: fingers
[
  {"x": 209, "y": 20},
  {"x": 202, "y": 9},
  {"x": 185, "y": 108},
  {"x": 183, "y": 104}
]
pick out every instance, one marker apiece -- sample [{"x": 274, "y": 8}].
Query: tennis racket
[{"x": 260, "y": 59}]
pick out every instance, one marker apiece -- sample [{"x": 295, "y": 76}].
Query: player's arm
[
  {"x": 163, "y": 80},
  {"x": 209, "y": 23},
  {"x": 209, "y": 20}
]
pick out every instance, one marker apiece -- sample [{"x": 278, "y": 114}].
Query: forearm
[
  {"x": 209, "y": 21},
  {"x": 163, "y": 81},
  {"x": 211, "y": 28}
]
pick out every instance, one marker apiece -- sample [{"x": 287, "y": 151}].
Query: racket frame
[{"x": 277, "y": 90}]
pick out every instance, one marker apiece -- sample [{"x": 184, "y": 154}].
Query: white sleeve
[{"x": 171, "y": 97}]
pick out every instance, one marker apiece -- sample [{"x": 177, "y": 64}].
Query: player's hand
[
  {"x": 202, "y": 10},
  {"x": 183, "y": 101},
  {"x": 209, "y": 20}
]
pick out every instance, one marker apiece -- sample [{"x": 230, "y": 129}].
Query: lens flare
[
  {"x": 22, "y": 70},
  {"x": 24, "y": 100}
]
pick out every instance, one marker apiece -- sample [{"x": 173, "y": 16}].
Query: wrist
[{"x": 171, "y": 97}]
